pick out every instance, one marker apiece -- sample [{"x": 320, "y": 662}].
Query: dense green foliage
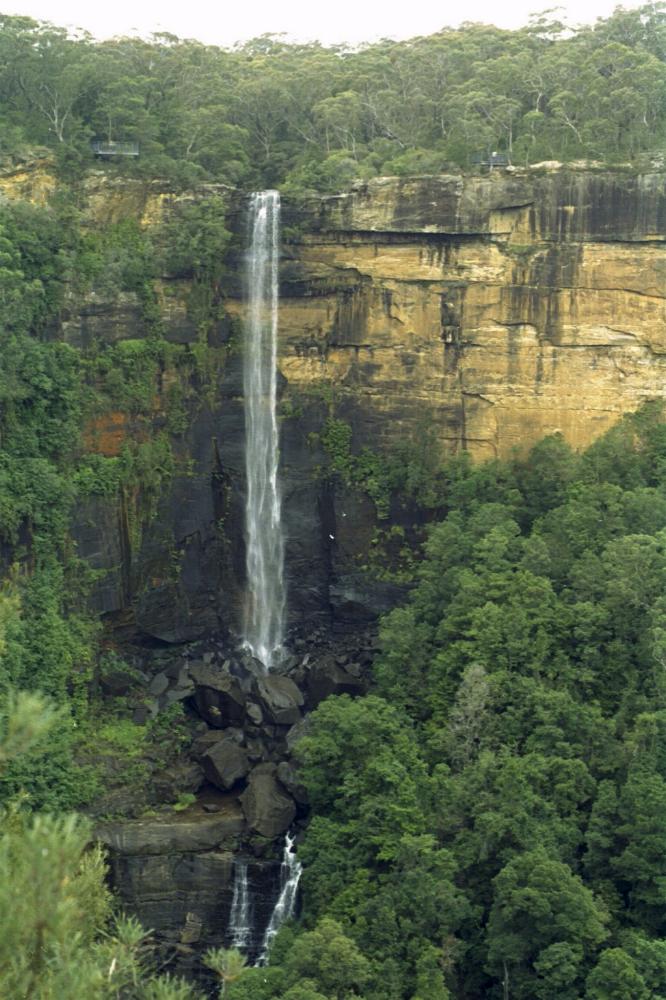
[
  {"x": 490, "y": 820},
  {"x": 305, "y": 116},
  {"x": 59, "y": 936},
  {"x": 53, "y": 397}
]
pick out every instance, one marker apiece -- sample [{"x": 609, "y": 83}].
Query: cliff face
[
  {"x": 488, "y": 310},
  {"x": 495, "y": 309}
]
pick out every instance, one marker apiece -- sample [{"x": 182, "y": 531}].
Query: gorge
[{"x": 420, "y": 319}]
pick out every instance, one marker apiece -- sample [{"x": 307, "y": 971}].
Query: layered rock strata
[
  {"x": 488, "y": 310},
  {"x": 492, "y": 309}
]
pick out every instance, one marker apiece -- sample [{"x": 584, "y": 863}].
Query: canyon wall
[
  {"x": 486, "y": 310},
  {"x": 496, "y": 309}
]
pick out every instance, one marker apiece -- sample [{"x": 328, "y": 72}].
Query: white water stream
[
  {"x": 240, "y": 918},
  {"x": 265, "y": 604},
  {"x": 290, "y": 876}
]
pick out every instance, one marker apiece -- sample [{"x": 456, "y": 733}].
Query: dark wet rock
[
  {"x": 171, "y": 836},
  {"x": 287, "y": 664},
  {"x": 247, "y": 671},
  {"x": 326, "y": 677},
  {"x": 140, "y": 715},
  {"x": 287, "y": 775},
  {"x": 281, "y": 699},
  {"x": 256, "y": 750},
  {"x": 183, "y": 896},
  {"x": 181, "y": 776},
  {"x": 218, "y": 696},
  {"x": 358, "y": 600},
  {"x": 159, "y": 684},
  {"x": 121, "y": 802},
  {"x": 119, "y": 680},
  {"x": 297, "y": 732},
  {"x": 175, "y": 669},
  {"x": 225, "y": 764},
  {"x": 177, "y": 694},
  {"x": 254, "y": 713},
  {"x": 202, "y": 744},
  {"x": 183, "y": 678},
  {"x": 191, "y": 932},
  {"x": 268, "y": 809}
]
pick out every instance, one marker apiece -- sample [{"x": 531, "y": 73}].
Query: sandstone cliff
[
  {"x": 489, "y": 310},
  {"x": 497, "y": 309}
]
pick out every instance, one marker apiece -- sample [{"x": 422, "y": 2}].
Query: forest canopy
[{"x": 314, "y": 117}]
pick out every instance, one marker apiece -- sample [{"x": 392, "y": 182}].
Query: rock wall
[
  {"x": 177, "y": 878},
  {"x": 490, "y": 310},
  {"x": 495, "y": 309}
]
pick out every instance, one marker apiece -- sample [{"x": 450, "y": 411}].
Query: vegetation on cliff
[
  {"x": 304, "y": 116},
  {"x": 54, "y": 398}
]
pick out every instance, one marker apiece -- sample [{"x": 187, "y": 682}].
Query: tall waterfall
[
  {"x": 290, "y": 876},
  {"x": 265, "y": 605},
  {"x": 240, "y": 918}
]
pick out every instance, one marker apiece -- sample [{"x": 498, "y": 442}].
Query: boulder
[
  {"x": 206, "y": 741},
  {"x": 297, "y": 732},
  {"x": 174, "y": 669},
  {"x": 225, "y": 764},
  {"x": 268, "y": 809},
  {"x": 181, "y": 776},
  {"x": 280, "y": 699},
  {"x": 254, "y": 713},
  {"x": 287, "y": 775},
  {"x": 327, "y": 677},
  {"x": 159, "y": 684},
  {"x": 218, "y": 696},
  {"x": 118, "y": 680},
  {"x": 256, "y": 750},
  {"x": 246, "y": 670}
]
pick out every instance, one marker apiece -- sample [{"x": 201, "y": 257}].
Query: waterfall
[
  {"x": 290, "y": 875},
  {"x": 264, "y": 614},
  {"x": 240, "y": 917}
]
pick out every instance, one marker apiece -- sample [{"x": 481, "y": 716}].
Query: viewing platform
[
  {"x": 102, "y": 148},
  {"x": 491, "y": 160}
]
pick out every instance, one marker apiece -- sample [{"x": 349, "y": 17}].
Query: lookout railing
[{"x": 490, "y": 160}]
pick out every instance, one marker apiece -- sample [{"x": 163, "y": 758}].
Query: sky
[{"x": 328, "y": 21}]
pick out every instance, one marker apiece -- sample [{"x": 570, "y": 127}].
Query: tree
[
  {"x": 228, "y": 964},
  {"x": 543, "y": 929},
  {"x": 642, "y": 833},
  {"x": 616, "y": 977},
  {"x": 329, "y": 959}
]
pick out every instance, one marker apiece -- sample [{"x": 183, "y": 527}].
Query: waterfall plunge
[{"x": 264, "y": 613}]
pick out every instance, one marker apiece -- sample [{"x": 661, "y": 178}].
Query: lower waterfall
[
  {"x": 290, "y": 875},
  {"x": 240, "y": 918}
]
